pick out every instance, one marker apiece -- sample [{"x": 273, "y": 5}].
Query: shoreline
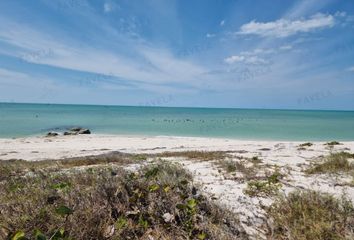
[
  {"x": 245, "y": 139},
  {"x": 42, "y": 148}
]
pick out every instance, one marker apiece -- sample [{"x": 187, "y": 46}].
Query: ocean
[{"x": 22, "y": 120}]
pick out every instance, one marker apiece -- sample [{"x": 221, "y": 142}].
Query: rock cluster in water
[{"x": 71, "y": 131}]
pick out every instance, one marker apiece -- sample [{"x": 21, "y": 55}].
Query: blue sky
[{"x": 206, "y": 53}]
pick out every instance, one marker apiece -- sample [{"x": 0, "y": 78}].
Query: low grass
[
  {"x": 333, "y": 163},
  {"x": 20, "y": 167},
  {"x": 228, "y": 165},
  {"x": 264, "y": 188},
  {"x": 307, "y": 144},
  {"x": 311, "y": 215},
  {"x": 157, "y": 202},
  {"x": 333, "y": 143},
  {"x": 255, "y": 160},
  {"x": 197, "y": 155},
  {"x": 248, "y": 167}
]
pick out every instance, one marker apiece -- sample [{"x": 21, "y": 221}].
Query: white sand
[
  {"x": 224, "y": 190},
  {"x": 40, "y": 148}
]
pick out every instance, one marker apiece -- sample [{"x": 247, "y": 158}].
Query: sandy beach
[
  {"x": 224, "y": 188},
  {"x": 41, "y": 148}
]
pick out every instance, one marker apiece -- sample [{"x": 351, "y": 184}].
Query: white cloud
[
  {"x": 24, "y": 80},
  {"x": 351, "y": 69},
  {"x": 210, "y": 35},
  {"x": 258, "y": 51},
  {"x": 286, "y": 47},
  {"x": 284, "y": 27},
  {"x": 109, "y": 7},
  {"x": 245, "y": 59},
  {"x": 234, "y": 59},
  {"x": 147, "y": 65},
  {"x": 4, "y": 74},
  {"x": 222, "y": 23},
  {"x": 340, "y": 14},
  {"x": 255, "y": 56}
]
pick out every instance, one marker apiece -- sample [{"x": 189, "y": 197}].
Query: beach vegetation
[
  {"x": 228, "y": 165},
  {"x": 242, "y": 166},
  {"x": 255, "y": 160},
  {"x": 140, "y": 157},
  {"x": 333, "y": 163},
  {"x": 332, "y": 143},
  {"x": 307, "y": 144},
  {"x": 264, "y": 188},
  {"x": 311, "y": 215},
  {"x": 20, "y": 167},
  {"x": 158, "y": 201},
  {"x": 197, "y": 155},
  {"x": 248, "y": 167}
]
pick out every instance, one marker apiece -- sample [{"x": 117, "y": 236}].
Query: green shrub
[
  {"x": 307, "y": 144},
  {"x": 264, "y": 188},
  {"x": 311, "y": 215},
  {"x": 333, "y": 163},
  {"x": 333, "y": 143},
  {"x": 111, "y": 203}
]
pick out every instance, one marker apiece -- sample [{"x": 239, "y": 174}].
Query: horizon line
[{"x": 199, "y": 107}]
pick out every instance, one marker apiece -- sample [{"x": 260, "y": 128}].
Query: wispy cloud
[
  {"x": 110, "y": 7},
  {"x": 351, "y": 69},
  {"x": 284, "y": 27},
  {"x": 222, "y": 23},
  {"x": 22, "y": 84},
  {"x": 245, "y": 59},
  {"x": 148, "y": 65},
  {"x": 259, "y": 51},
  {"x": 7, "y": 74},
  {"x": 256, "y": 56},
  {"x": 286, "y": 47}
]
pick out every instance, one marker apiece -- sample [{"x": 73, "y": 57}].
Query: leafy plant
[
  {"x": 268, "y": 187},
  {"x": 63, "y": 210},
  {"x": 154, "y": 188},
  {"x": 61, "y": 186},
  {"x": 38, "y": 235},
  {"x": 121, "y": 223},
  {"x": 19, "y": 235},
  {"x": 143, "y": 223}
]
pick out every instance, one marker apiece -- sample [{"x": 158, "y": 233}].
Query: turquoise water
[{"x": 19, "y": 120}]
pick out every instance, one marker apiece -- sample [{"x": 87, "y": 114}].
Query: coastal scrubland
[
  {"x": 158, "y": 196},
  {"x": 50, "y": 200}
]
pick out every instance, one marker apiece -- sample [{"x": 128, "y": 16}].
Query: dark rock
[
  {"x": 264, "y": 149},
  {"x": 84, "y": 131},
  {"x": 70, "y": 133},
  {"x": 52, "y": 199},
  {"x": 115, "y": 213},
  {"x": 52, "y": 134},
  {"x": 75, "y": 129}
]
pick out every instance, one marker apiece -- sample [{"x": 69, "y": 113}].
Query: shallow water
[{"x": 19, "y": 120}]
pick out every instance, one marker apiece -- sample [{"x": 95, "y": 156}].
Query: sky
[{"x": 203, "y": 53}]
